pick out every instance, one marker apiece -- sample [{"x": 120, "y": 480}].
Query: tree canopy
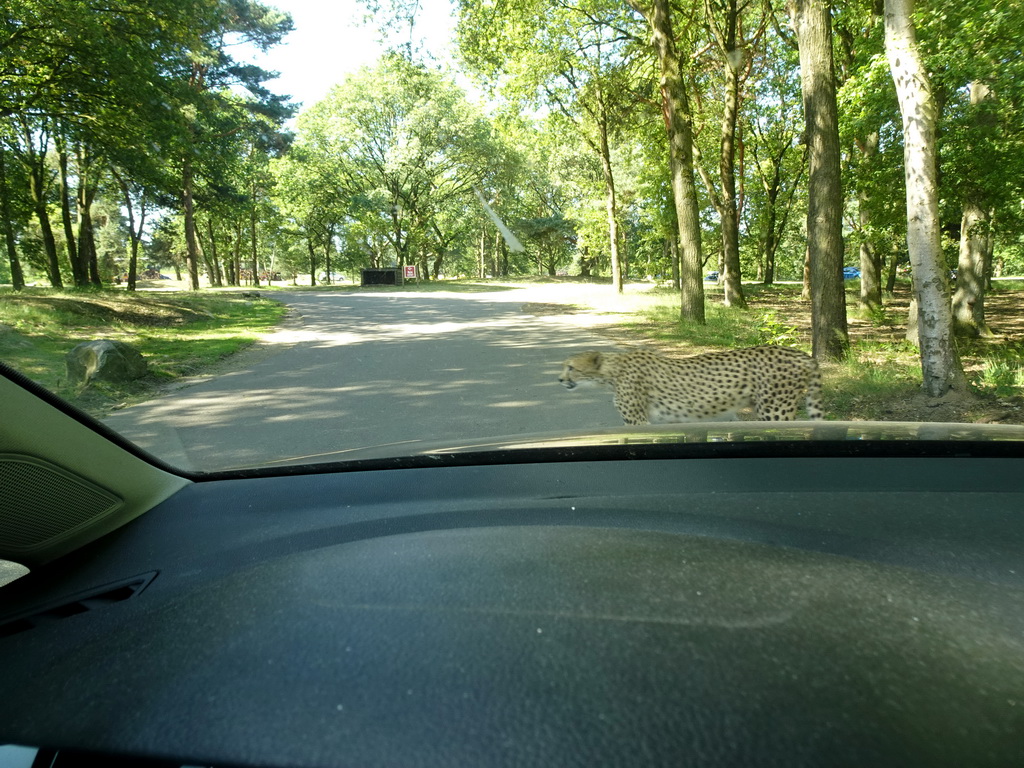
[{"x": 620, "y": 140}]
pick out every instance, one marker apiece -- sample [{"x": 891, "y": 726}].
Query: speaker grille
[{"x": 41, "y": 503}]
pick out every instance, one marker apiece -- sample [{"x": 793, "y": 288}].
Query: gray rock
[{"x": 104, "y": 360}]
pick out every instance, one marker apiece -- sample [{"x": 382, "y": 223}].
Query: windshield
[{"x": 253, "y": 235}]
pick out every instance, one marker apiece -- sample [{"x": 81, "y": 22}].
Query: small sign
[{"x": 410, "y": 271}]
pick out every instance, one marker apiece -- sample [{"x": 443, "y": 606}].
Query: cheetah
[{"x": 652, "y": 389}]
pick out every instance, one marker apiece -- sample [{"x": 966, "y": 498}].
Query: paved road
[{"x": 351, "y": 370}]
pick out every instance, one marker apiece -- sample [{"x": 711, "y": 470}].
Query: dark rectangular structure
[{"x": 385, "y": 276}]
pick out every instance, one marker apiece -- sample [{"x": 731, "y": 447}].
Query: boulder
[{"x": 104, "y": 360}]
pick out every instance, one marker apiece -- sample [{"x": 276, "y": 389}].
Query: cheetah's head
[{"x": 583, "y": 368}]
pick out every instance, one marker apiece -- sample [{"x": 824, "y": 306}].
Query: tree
[
  {"x": 776, "y": 154},
  {"x": 975, "y": 253},
  {"x": 572, "y": 58},
  {"x": 31, "y": 147},
  {"x": 867, "y": 106},
  {"x": 811, "y": 21},
  {"x": 675, "y": 104},
  {"x": 398, "y": 145},
  {"x": 222, "y": 98},
  {"x": 725, "y": 22},
  {"x": 940, "y": 364},
  {"x": 976, "y": 72},
  {"x": 13, "y": 209},
  {"x": 135, "y": 205}
]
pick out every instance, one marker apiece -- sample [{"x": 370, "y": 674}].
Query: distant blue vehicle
[
  {"x": 850, "y": 273},
  {"x": 712, "y": 276}
]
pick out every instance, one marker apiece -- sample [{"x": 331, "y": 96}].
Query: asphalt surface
[{"x": 369, "y": 373}]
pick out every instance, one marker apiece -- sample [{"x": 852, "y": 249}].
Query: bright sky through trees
[{"x": 334, "y": 38}]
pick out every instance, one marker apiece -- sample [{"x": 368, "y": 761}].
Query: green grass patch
[
  {"x": 873, "y": 377},
  {"x": 179, "y": 334},
  {"x": 184, "y": 333},
  {"x": 655, "y": 314},
  {"x": 1000, "y": 372}
]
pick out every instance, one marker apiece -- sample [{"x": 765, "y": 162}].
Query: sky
[{"x": 332, "y": 38}]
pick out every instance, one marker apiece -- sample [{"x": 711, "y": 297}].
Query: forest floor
[{"x": 880, "y": 380}]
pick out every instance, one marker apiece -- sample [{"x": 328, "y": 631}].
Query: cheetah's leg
[
  {"x": 631, "y": 399},
  {"x": 813, "y": 398}
]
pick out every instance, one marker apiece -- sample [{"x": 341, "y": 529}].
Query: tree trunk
[
  {"x": 679, "y": 126},
  {"x": 941, "y": 369},
  {"x": 805, "y": 291},
  {"x": 134, "y": 232},
  {"x": 38, "y": 194},
  {"x": 34, "y": 161},
  {"x": 17, "y": 274},
  {"x": 769, "y": 239},
  {"x": 236, "y": 253},
  {"x": 230, "y": 265},
  {"x": 611, "y": 207},
  {"x": 79, "y": 271},
  {"x": 86, "y": 234},
  {"x": 253, "y": 249},
  {"x": 328, "y": 250},
  {"x": 85, "y": 195},
  {"x": 312, "y": 260},
  {"x": 975, "y": 259},
  {"x": 870, "y": 258},
  {"x": 812, "y": 22},
  {"x": 733, "y": 282},
  {"x": 778, "y": 211},
  {"x": 481, "y": 262},
  {"x": 193, "y": 254},
  {"x": 586, "y": 263},
  {"x": 213, "y": 262},
  {"x": 891, "y": 271},
  {"x": 972, "y": 272}
]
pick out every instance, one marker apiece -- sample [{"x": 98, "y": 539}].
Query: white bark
[{"x": 940, "y": 364}]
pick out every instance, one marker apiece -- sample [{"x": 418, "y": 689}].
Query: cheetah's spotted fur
[{"x": 652, "y": 389}]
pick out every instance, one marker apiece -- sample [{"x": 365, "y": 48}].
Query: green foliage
[
  {"x": 383, "y": 170},
  {"x": 869, "y": 381},
  {"x": 655, "y": 313},
  {"x": 773, "y": 330},
  {"x": 1002, "y": 373},
  {"x": 388, "y": 163},
  {"x": 178, "y": 334}
]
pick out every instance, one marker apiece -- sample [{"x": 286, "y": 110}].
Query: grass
[
  {"x": 881, "y": 376},
  {"x": 178, "y": 333},
  {"x": 183, "y": 333},
  {"x": 1001, "y": 372}
]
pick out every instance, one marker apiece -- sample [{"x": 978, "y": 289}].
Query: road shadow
[{"x": 350, "y": 370}]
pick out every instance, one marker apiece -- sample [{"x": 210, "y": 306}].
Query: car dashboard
[{"x": 563, "y": 607}]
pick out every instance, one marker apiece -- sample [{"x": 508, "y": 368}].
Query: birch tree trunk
[
  {"x": 812, "y": 22},
  {"x": 940, "y": 364},
  {"x": 679, "y": 125}
]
